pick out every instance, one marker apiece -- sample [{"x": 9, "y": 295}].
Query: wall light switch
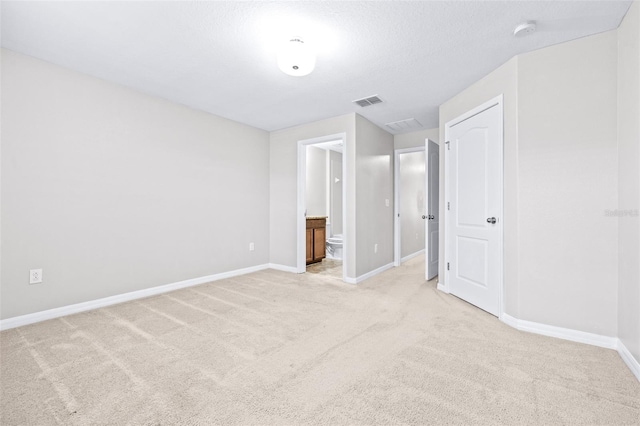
[
  {"x": 35, "y": 276},
  {"x": 375, "y": 248},
  {"x": 386, "y": 202},
  {"x": 252, "y": 247}
]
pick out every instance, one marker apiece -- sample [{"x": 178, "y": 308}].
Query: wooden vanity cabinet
[{"x": 316, "y": 239}]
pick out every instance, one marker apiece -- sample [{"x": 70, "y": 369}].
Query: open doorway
[
  {"x": 321, "y": 206},
  {"x": 410, "y": 196},
  {"x": 416, "y": 205}
]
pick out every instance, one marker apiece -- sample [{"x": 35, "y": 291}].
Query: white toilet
[{"x": 334, "y": 247}]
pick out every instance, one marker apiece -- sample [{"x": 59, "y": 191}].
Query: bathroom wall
[
  {"x": 335, "y": 210},
  {"x": 109, "y": 190},
  {"x": 411, "y": 202},
  {"x": 316, "y": 184}
]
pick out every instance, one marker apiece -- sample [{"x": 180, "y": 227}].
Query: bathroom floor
[{"x": 330, "y": 267}]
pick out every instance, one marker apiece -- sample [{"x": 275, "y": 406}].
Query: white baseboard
[
  {"x": 442, "y": 288},
  {"x": 120, "y": 298},
  {"x": 411, "y": 256},
  {"x": 561, "y": 333},
  {"x": 283, "y": 268},
  {"x": 369, "y": 274},
  {"x": 509, "y": 320},
  {"x": 628, "y": 359},
  {"x": 576, "y": 336}
]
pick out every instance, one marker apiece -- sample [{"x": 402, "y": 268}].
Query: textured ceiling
[{"x": 220, "y": 56}]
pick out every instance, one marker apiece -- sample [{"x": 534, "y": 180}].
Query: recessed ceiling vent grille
[
  {"x": 402, "y": 125},
  {"x": 370, "y": 100}
]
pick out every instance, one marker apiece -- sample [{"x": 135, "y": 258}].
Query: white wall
[
  {"x": 110, "y": 190},
  {"x": 283, "y": 187},
  {"x": 415, "y": 139},
  {"x": 412, "y": 201},
  {"x": 316, "y": 194},
  {"x": 628, "y": 127},
  {"x": 567, "y": 155},
  {"x": 374, "y": 186},
  {"x": 560, "y": 177}
]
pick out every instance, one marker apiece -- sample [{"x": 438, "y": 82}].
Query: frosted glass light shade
[{"x": 296, "y": 58}]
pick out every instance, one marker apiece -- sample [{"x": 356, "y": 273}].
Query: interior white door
[
  {"x": 475, "y": 209},
  {"x": 432, "y": 166}
]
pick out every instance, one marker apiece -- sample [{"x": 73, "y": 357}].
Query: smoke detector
[{"x": 525, "y": 28}]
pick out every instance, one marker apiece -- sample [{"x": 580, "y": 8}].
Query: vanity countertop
[{"x": 316, "y": 217}]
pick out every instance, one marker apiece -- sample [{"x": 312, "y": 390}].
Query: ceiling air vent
[
  {"x": 402, "y": 125},
  {"x": 370, "y": 100}
]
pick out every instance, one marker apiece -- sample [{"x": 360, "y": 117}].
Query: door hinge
[
  {"x": 448, "y": 205},
  {"x": 447, "y": 266},
  {"x": 448, "y": 144}
]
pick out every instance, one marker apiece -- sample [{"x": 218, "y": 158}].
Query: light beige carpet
[{"x": 273, "y": 348}]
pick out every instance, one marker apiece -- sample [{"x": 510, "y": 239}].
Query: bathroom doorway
[{"x": 321, "y": 206}]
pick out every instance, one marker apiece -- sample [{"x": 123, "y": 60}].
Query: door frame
[
  {"x": 397, "y": 240},
  {"x": 443, "y": 285},
  {"x": 301, "y": 263}
]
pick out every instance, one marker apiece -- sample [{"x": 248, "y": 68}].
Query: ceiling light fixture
[{"x": 296, "y": 58}]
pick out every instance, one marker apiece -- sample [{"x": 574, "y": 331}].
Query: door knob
[
  {"x": 424, "y": 217},
  {"x": 491, "y": 220}
]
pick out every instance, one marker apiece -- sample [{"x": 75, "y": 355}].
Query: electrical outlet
[
  {"x": 35, "y": 276},
  {"x": 386, "y": 202},
  {"x": 375, "y": 248},
  {"x": 252, "y": 247}
]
